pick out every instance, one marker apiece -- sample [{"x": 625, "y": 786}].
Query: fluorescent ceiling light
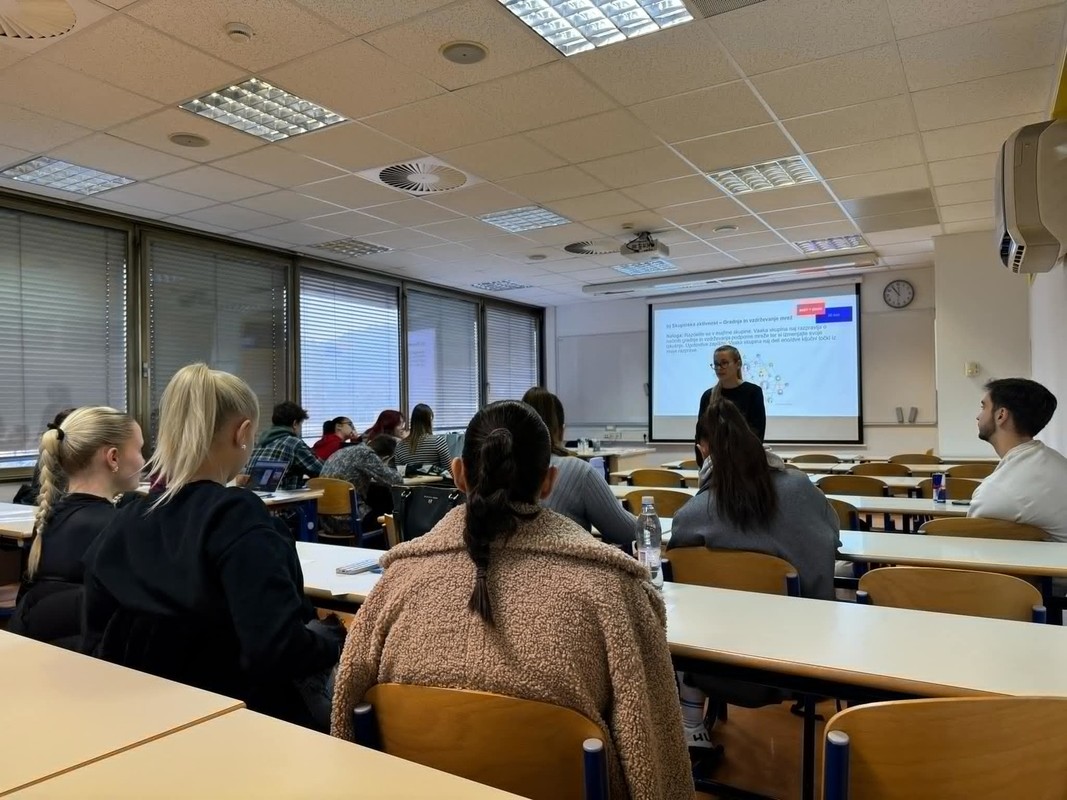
[
  {"x": 351, "y": 247},
  {"x": 527, "y": 218},
  {"x": 789, "y": 171},
  {"x": 849, "y": 242},
  {"x": 574, "y": 26},
  {"x": 262, "y": 110},
  {"x": 56, "y": 174},
  {"x": 500, "y": 286},
  {"x": 646, "y": 267}
]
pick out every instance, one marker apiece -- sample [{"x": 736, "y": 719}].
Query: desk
[
  {"x": 422, "y": 480},
  {"x": 897, "y": 485},
  {"x": 62, "y": 709},
  {"x": 16, "y": 522},
  {"x": 614, "y": 456},
  {"x": 620, "y": 490},
  {"x": 917, "y": 470},
  {"x": 319, "y": 563},
  {"x": 690, "y": 476}
]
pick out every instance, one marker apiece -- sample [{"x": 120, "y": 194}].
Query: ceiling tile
[
  {"x": 688, "y": 249},
  {"x": 923, "y": 234},
  {"x": 971, "y": 192},
  {"x": 990, "y": 98},
  {"x": 282, "y": 31},
  {"x": 822, "y": 230},
  {"x": 502, "y": 158},
  {"x": 867, "y": 122},
  {"x": 807, "y": 194},
  {"x": 598, "y": 136},
  {"x": 678, "y": 190},
  {"x": 296, "y": 233},
  {"x": 746, "y": 241},
  {"x": 906, "y": 248},
  {"x": 411, "y": 212},
  {"x": 644, "y": 166},
  {"x": 781, "y": 33},
  {"x": 805, "y": 215},
  {"x": 769, "y": 255},
  {"x": 351, "y": 223},
  {"x": 882, "y": 204},
  {"x": 916, "y": 17},
  {"x": 594, "y": 206},
  {"x": 153, "y": 130},
  {"x": 408, "y": 261},
  {"x": 157, "y": 198},
  {"x": 983, "y": 49},
  {"x": 462, "y": 230},
  {"x": 233, "y": 217},
  {"x": 703, "y": 112},
  {"x": 439, "y": 123},
  {"x": 967, "y": 211},
  {"x": 737, "y": 148},
  {"x": 562, "y": 234},
  {"x": 706, "y": 262},
  {"x": 902, "y": 179},
  {"x": 144, "y": 62},
  {"x": 31, "y": 131},
  {"x": 100, "y": 201},
  {"x": 481, "y": 199},
  {"x": 289, "y": 205},
  {"x": 351, "y": 146},
  {"x": 215, "y": 183},
  {"x": 274, "y": 165},
  {"x": 635, "y": 222},
  {"x": 448, "y": 252},
  {"x": 538, "y": 97},
  {"x": 683, "y": 58},
  {"x": 970, "y": 226},
  {"x": 85, "y": 101},
  {"x": 403, "y": 239},
  {"x": 973, "y": 139},
  {"x": 9, "y": 56},
  {"x": 318, "y": 77},
  {"x": 200, "y": 227},
  {"x": 370, "y": 15},
  {"x": 900, "y": 151},
  {"x": 964, "y": 170},
  {"x": 857, "y": 77},
  {"x": 906, "y": 220},
  {"x": 917, "y": 260},
  {"x": 739, "y": 225},
  {"x": 417, "y": 43},
  {"x": 554, "y": 184},
  {"x": 104, "y": 152},
  {"x": 701, "y": 211},
  {"x": 12, "y": 155},
  {"x": 351, "y": 191}
]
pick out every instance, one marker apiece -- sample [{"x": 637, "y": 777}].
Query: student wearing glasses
[{"x": 730, "y": 385}]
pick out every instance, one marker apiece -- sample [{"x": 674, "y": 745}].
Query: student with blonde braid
[
  {"x": 96, "y": 454},
  {"x": 197, "y": 583}
]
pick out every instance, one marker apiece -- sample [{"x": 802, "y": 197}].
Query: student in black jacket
[
  {"x": 196, "y": 583},
  {"x": 96, "y": 453},
  {"x": 748, "y": 397}
]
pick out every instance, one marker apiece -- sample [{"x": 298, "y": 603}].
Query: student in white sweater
[{"x": 1030, "y": 483}]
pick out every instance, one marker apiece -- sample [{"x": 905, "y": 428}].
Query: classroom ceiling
[{"x": 899, "y": 105}]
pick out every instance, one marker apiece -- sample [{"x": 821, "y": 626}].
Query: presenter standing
[{"x": 748, "y": 397}]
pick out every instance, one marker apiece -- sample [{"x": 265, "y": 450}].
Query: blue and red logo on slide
[{"x": 822, "y": 314}]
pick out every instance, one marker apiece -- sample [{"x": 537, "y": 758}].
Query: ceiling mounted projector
[{"x": 644, "y": 248}]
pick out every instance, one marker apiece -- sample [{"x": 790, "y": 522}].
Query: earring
[
  {"x": 115, "y": 468},
  {"x": 244, "y": 447}
]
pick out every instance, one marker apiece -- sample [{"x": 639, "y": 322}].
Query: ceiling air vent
[
  {"x": 712, "y": 8},
  {"x": 425, "y": 176},
  {"x": 597, "y": 247},
  {"x": 40, "y": 19}
]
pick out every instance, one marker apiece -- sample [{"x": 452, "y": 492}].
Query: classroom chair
[
  {"x": 532, "y": 749},
  {"x": 664, "y": 478},
  {"x": 977, "y": 528},
  {"x": 814, "y": 458},
  {"x": 857, "y": 486},
  {"x": 955, "y": 488},
  {"x": 914, "y": 458},
  {"x": 847, "y": 515},
  {"x": 689, "y": 464},
  {"x": 667, "y": 501},
  {"x": 884, "y": 469},
  {"x": 338, "y": 510},
  {"x": 974, "y": 471},
  {"x": 952, "y": 591},
  {"x": 995, "y": 748},
  {"x": 392, "y": 538},
  {"x": 740, "y": 570}
]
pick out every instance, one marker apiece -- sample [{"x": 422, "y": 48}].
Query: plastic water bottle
[{"x": 649, "y": 539}]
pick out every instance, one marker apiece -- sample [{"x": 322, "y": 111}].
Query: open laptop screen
[{"x": 266, "y": 476}]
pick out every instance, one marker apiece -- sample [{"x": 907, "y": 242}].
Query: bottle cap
[{"x": 647, "y": 500}]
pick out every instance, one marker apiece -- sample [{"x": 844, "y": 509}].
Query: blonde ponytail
[{"x": 197, "y": 402}]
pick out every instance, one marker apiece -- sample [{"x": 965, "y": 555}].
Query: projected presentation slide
[{"x": 802, "y": 349}]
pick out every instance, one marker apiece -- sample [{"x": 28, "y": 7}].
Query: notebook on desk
[{"x": 264, "y": 477}]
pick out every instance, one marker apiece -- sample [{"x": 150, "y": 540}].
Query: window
[
  {"x": 512, "y": 352},
  {"x": 62, "y": 322},
  {"x": 349, "y": 349},
  {"x": 443, "y": 372},
  {"x": 221, "y": 306}
]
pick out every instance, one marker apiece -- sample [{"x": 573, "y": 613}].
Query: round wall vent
[
  {"x": 598, "y": 247},
  {"x": 463, "y": 52},
  {"x": 41, "y": 19},
  {"x": 188, "y": 140},
  {"x": 422, "y": 177}
]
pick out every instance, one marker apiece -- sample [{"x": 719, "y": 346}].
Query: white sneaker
[{"x": 698, "y": 737}]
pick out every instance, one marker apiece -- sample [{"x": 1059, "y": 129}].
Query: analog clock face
[{"x": 898, "y": 294}]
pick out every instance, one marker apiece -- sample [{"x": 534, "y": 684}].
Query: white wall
[
  {"x": 1048, "y": 335},
  {"x": 983, "y": 315}
]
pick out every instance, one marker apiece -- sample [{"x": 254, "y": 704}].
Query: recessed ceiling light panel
[
  {"x": 646, "y": 267},
  {"x": 500, "y": 286},
  {"x": 56, "y": 174},
  {"x": 527, "y": 218},
  {"x": 849, "y": 242},
  {"x": 789, "y": 171},
  {"x": 262, "y": 110},
  {"x": 351, "y": 247},
  {"x": 574, "y": 26}
]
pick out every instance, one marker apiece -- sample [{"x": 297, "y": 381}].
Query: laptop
[{"x": 265, "y": 476}]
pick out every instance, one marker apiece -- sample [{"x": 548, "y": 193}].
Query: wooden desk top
[
  {"x": 618, "y": 452},
  {"x": 244, "y": 754},
  {"x": 953, "y": 552},
  {"x": 285, "y": 496},
  {"x": 319, "y": 563},
  {"x": 16, "y": 521},
  {"x": 62, "y": 709},
  {"x": 917, "y": 470},
  {"x": 684, "y": 474},
  {"x": 620, "y": 490},
  {"x": 913, "y": 506}
]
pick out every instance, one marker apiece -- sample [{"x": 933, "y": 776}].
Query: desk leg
[
  {"x": 807, "y": 780},
  {"x": 307, "y": 518}
]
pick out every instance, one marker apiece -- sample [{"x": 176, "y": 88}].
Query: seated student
[
  {"x": 28, "y": 493},
  {"x": 361, "y": 466},
  {"x": 389, "y": 423},
  {"x": 1029, "y": 483},
  {"x": 580, "y": 491},
  {"x": 96, "y": 453},
  {"x": 336, "y": 433},
  {"x": 196, "y": 584},
  {"x": 454, "y": 607},
  {"x": 421, "y": 446},
  {"x": 282, "y": 442}
]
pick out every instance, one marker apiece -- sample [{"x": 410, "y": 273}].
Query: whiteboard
[
  {"x": 601, "y": 378},
  {"x": 898, "y": 366}
]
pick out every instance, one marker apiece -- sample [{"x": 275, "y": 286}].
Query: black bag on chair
[{"x": 416, "y": 509}]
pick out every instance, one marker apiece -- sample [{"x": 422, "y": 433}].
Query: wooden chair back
[
  {"x": 688, "y": 464},
  {"x": 977, "y": 528},
  {"x": 337, "y": 498},
  {"x": 995, "y": 748},
  {"x": 955, "y": 488},
  {"x": 855, "y": 485},
  {"x": 814, "y": 458},
  {"x": 881, "y": 468},
  {"x": 914, "y": 458},
  {"x": 974, "y": 471},
  {"x": 526, "y": 747},
  {"x": 847, "y": 514},
  {"x": 338, "y": 512},
  {"x": 388, "y": 524},
  {"x": 656, "y": 477},
  {"x": 667, "y": 501},
  {"x": 952, "y": 591},
  {"x": 733, "y": 569}
]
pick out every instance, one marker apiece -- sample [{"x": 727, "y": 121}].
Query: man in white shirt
[{"x": 1030, "y": 483}]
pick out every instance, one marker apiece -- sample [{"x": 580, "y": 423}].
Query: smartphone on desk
[
  {"x": 960, "y": 502},
  {"x": 370, "y": 565}
]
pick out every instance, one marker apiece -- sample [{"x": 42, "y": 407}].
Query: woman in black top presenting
[{"x": 748, "y": 397}]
